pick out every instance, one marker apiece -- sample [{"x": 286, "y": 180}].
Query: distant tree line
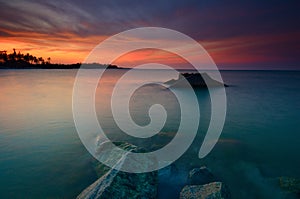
[{"x": 19, "y": 60}]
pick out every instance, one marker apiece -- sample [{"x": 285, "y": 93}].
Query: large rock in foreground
[
  {"x": 117, "y": 184},
  {"x": 214, "y": 190}
]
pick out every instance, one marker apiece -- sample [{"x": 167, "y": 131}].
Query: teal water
[{"x": 41, "y": 155}]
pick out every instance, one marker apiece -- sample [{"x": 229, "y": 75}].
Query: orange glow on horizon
[
  {"x": 64, "y": 48},
  {"x": 138, "y": 57},
  {"x": 70, "y": 48}
]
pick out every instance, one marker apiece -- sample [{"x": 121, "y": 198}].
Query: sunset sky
[{"x": 237, "y": 35}]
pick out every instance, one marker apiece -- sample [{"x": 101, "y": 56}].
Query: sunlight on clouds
[{"x": 44, "y": 16}]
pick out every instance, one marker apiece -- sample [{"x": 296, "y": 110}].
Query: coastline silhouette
[{"x": 19, "y": 60}]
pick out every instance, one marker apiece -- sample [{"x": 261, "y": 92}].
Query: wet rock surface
[
  {"x": 199, "y": 183},
  {"x": 118, "y": 184},
  {"x": 290, "y": 185},
  {"x": 214, "y": 190},
  {"x": 123, "y": 185},
  {"x": 203, "y": 184}
]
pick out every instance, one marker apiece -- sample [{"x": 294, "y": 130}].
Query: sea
[{"x": 42, "y": 156}]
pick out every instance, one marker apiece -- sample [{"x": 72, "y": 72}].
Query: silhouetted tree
[
  {"x": 3, "y": 56},
  {"x": 27, "y": 58},
  {"x": 41, "y": 60},
  {"x": 20, "y": 60},
  {"x": 31, "y": 59},
  {"x": 19, "y": 56},
  {"x": 35, "y": 60}
]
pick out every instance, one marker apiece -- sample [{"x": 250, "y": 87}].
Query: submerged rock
[
  {"x": 201, "y": 176},
  {"x": 290, "y": 185},
  {"x": 118, "y": 184},
  {"x": 214, "y": 190}
]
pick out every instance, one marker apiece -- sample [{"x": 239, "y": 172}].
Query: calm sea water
[{"x": 41, "y": 155}]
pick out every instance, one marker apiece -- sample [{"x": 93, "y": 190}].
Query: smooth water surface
[{"x": 41, "y": 155}]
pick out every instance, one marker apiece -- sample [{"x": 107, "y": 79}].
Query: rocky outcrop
[
  {"x": 196, "y": 80},
  {"x": 214, "y": 190},
  {"x": 115, "y": 184},
  {"x": 204, "y": 185},
  {"x": 118, "y": 184}
]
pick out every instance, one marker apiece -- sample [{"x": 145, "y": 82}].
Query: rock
[
  {"x": 118, "y": 184},
  {"x": 204, "y": 185},
  {"x": 201, "y": 176},
  {"x": 195, "y": 80},
  {"x": 214, "y": 190},
  {"x": 289, "y": 184}
]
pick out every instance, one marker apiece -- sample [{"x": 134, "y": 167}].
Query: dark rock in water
[
  {"x": 195, "y": 80},
  {"x": 201, "y": 176},
  {"x": 214, "y": 190},
  {"x": 118, "y": 184},
  {"x": 291, "y": 185},
  {"x": 204, "y": 185}
]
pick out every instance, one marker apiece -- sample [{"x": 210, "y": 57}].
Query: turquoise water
[{"x": 41, "y": 155}]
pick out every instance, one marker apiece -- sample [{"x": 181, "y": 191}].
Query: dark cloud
[
  {"x": 201, "y": 19},
  {"x": 49, "y": 17}
]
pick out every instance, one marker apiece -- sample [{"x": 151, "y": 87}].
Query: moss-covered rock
[
  {"x": 118, "y": 184},
  {"x": 289, "y": 184},
  {"x": 214, "y": 190}
]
